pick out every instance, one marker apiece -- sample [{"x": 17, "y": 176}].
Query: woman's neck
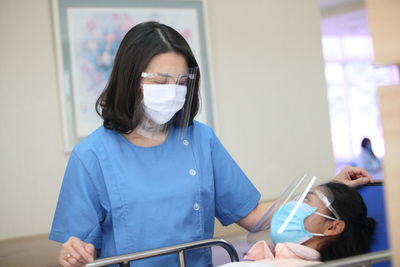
[
  {"x": 315, "y": 243},
  {"x": 146, "y": 139},
  {"x": 319, "y": 242}
]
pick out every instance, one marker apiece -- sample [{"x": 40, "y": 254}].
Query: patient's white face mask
[{"x": 162, "y": 101}]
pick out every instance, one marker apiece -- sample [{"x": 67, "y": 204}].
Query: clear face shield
[
  {"x": 296, "y": 215},
  {"x": 167, "y": 99}
]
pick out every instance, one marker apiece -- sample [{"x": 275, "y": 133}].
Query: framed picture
[{"x": 88, "y": 34}]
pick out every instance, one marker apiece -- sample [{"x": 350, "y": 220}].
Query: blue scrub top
[{"x": 124, "y": 198}]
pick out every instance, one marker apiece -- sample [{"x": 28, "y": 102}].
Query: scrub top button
[
  {"x": 196, "y": 206},
  {"x": 192, "y": 172},
  {"x": 185, "y": 142}
]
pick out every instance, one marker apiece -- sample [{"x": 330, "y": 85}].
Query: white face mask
[{"x": 162, "y": 101}]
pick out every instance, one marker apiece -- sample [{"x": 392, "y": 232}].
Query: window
[{"x": 352, "y": 83}]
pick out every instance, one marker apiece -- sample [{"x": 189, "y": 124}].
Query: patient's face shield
[
  {"x": 294, "y": 215},
  {"x": 164, "y": 91}
]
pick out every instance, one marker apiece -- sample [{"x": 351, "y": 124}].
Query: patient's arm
[
  {"x": 353, "y": 176},
  {"x": 254, "y": 216}
]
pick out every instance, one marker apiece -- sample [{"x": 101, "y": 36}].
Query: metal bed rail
[
  {"x": 359, "y": 260},
  {"x": 123, "y": 260}
]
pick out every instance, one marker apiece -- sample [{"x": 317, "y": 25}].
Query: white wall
[
  {"x": 271, "y": 104},
  {"x": 269, "y": 87},
  {"x": 32, "y": 160}
]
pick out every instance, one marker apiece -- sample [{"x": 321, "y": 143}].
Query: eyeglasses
[
  {"x": 163, "y": 78},
  {"x": 327, "y": 203}
]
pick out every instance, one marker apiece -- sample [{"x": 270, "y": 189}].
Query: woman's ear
[{"x": 335, "y": 228}]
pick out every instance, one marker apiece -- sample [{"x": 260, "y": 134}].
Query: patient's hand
[{"x": 353, "y": 176}]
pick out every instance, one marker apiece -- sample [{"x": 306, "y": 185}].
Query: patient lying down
[{"x": 329, "y": 223}]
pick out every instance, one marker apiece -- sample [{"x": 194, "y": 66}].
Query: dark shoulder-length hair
[
  {"x": 120, "y": 103},
  {"x": 357, "y": 235}
]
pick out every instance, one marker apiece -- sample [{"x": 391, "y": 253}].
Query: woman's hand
[
  {"x": 76, "y": 253},
  {"x": 353, "y": 176}
]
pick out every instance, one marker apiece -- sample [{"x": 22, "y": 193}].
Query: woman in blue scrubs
[{"x": 151, "y": 176}]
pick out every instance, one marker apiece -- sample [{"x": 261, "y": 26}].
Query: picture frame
[{"x": 87, "y": 36}]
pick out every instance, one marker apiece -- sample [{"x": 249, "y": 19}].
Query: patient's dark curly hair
[{"x": 357, "y": 235}]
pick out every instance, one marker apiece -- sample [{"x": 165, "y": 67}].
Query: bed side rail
[
  {"x": 359, "y": 260},
  {"x": 123, "y": 260}
]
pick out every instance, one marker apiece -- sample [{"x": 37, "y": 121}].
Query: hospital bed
[
  {"x": 123, "y": 260},
  {"x": 373, "y": 195}
]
